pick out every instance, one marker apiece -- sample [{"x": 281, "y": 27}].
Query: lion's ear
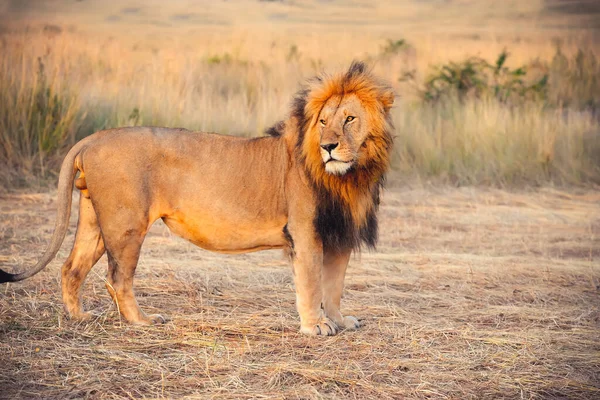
[{"x": 387, "y": 99}]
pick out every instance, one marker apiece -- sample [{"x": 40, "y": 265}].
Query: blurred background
[{"x": 489, "y": 92}]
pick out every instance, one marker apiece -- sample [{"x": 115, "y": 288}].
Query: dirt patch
[{"x": 466, "y": 297}]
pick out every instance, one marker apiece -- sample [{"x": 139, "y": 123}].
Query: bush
[
  {"x": 393, "y": 47},
  {"x": 475, "y": 77}
]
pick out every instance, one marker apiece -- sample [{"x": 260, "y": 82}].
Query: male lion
[{"x": 311, "y": 187}]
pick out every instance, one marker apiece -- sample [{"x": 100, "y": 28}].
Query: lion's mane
[{"x": 346, "y": 205}]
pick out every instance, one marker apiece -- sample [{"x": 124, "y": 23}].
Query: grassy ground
[{"x": 473, "y": 293}]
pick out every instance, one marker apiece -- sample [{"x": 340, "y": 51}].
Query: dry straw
[{"x": 472, "y": 294}]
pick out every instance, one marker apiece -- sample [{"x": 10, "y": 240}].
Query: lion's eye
[
  {"x": 349, "y": 118},
  {"x": 323, "y": 122}
]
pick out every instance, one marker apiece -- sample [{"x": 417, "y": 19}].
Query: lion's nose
[{"x": 329, "y": 146}]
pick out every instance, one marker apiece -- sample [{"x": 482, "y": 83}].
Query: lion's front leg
[
  {"x": 308, "y": 264},
  {"x": 309, "y": 296},
  {"x": 334, "y": 272}
]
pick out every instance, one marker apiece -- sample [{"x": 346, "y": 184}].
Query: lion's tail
[{"x": 65, "y": 190}]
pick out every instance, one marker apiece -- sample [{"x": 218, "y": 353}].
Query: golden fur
[{"x": 312, "y": 187}]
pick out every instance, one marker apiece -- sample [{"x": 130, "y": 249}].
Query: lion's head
[
  {"x": 344, "y": 139},
  {"x": 347, "y": 122}
]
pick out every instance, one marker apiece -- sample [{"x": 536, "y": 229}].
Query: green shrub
[
  {"x": 393, "y": 47},
  {"x": 475, "y": 77}
]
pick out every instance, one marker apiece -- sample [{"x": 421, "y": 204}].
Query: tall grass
[
  {"x": 38, "y": 116},
  {"x": 484, "y": 141},
  {"x": 483, "y": 122},
  {"x": 56, "y": 89}
]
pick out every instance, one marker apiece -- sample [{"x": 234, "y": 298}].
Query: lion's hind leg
[
  {"x": 87, "y": 250},
  {"x": 334, "y": 272},
  {"x": 124, "y": 235}
]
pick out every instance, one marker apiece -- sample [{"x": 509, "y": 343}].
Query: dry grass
[
  {"x": 211, "y": 67},
  {"x": 473, "y": 293}
]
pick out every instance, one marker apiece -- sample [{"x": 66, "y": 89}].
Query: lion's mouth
[
  {"x": 332, "y": 159},
  {"x": 337, "y": 167}
]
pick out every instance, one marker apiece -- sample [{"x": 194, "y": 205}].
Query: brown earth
[{"x": 473, "y": 293}]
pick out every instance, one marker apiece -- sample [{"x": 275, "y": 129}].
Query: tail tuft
[{"x": 6, "y": 277}]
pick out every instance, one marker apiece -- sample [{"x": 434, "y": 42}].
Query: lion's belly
[{"x": 225, "y": 236}]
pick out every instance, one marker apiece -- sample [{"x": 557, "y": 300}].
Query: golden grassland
[
  {"x": 69, "y": 69},
  {"x": 473, "y": 293}
]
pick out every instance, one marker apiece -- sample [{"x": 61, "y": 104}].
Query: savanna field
[{"x": 486, "y": 279}]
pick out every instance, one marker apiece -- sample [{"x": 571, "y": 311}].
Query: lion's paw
[
  {"x": 156, "y": 319},
  {"x": 325, "y": 327},
  {"x": 81, "y": 316},
  {"x": 152, "y": 319},
  {"x": 351, "y": 323}
]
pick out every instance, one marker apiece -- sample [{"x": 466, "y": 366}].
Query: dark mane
[
  {"x": 336, "y": 227},
  {"x": 298, "y": 106},
  {"x": 276, "y": 130}
]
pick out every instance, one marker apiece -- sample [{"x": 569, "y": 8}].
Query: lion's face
[{"x": 343, "y": 129}]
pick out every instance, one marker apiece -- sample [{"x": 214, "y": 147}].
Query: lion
[{"x": 311, "y": 186}]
